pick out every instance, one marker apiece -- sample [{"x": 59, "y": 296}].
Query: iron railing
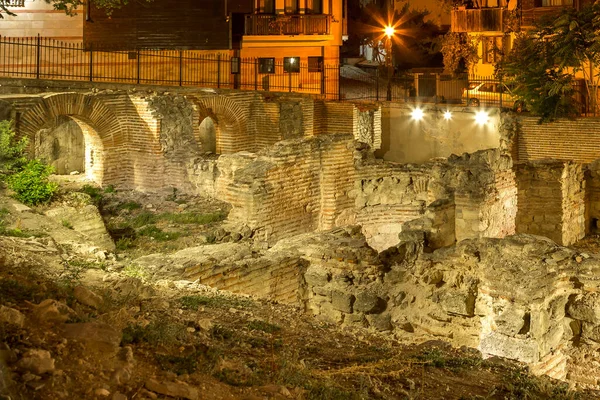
[
  {"x": 43, "y": 58},
  {"x": 271, "y": 24}
]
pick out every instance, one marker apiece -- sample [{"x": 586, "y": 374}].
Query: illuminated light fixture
[
  {"x": 292, "y": 60},
  {"x": 417, "y": 114},
  {"x": 447, "y": 115},
  {"x": 389, "y": 31},
  {"x": 482, "y": 117}
]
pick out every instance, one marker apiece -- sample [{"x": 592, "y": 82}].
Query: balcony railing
[
  {"x": 268, "y": 24},
  {"x": 479, "y": 20},
  {"x": 534, "y": 15}
]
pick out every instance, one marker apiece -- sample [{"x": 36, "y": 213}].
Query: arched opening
[
  {"x": 208, "y": 132},
  {"x": 70, "y": 146},
  {"x": 62, "y": 146}
]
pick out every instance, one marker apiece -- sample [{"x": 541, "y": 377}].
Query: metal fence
[
  {"x": 439, "y": 88},
  {"x": 44, "y": 58}
]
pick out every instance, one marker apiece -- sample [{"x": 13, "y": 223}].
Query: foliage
[
  {"x": 12, "y": 151},
  {"x": 459, "y": 51},
  {"x": 94, "y": 192},
  {"x": 266, "y": 327},
  {"x": 31, "y": 184},
  {"x": 545, "y": 90},
  {"x": 193, "y": 302},
  {"x": 573, "y": 39},
  {"x": 70, "y": 6}
]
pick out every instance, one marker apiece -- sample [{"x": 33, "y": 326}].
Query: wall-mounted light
[
  {"x": 417, "y": 114},
  {"x": 447, "y": 115},
  {"x": 482, "y": 117}
]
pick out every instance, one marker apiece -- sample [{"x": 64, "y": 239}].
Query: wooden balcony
[
  {"x": 268, "y": 24},
  {"x": 532, "y": 16},
  {"x": 479, "y": 20}
]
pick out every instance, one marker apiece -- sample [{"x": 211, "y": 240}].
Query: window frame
[
  {"x": 291, "y": 67},
  {"x": 263, "y": 65},
  {"x": 318, "y": 60}
]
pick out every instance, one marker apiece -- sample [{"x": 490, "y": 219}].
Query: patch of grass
[
  {"x": 221, "y": 333},
  {"x": 161, "y": 332},
  {"x": 144, "y": 218},
  {"x": 193, "y": 302},
  {"x": 192, "y": 218},
  {"x": 179, "y": 364},
  {"x": 519, "y": 385},
  {"x": 438, "y": 359},
  {"x": 14, "y": 291},
  {"x": 130, "y": 205},
  {"x": 124, "y": 243},
  {"x": 157, "y": 234},
  {"x": 135, "y": 271},
  {"x": 263, "y": 326},
  {"x": 110, "y": 189},
  {"x": 67, "y": 224},
  {"x": 94, "y": 192},
  {"x": 15, "y": 232}
]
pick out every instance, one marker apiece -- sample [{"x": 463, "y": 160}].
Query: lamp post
[{"x": 389, "y": 32}]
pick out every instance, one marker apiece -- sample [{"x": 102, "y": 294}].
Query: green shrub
[
  {"x": 12, "y": 151},
  {"x": 94, "y": 192},
  {"x": 31, "y": 184}
]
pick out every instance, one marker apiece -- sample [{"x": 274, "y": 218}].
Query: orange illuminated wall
[{"x": 38, "y": 17}]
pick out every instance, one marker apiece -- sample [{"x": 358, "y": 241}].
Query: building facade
[{"x": 494, "y": 23}]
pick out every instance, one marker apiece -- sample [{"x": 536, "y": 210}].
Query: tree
[
  {"x": 459, "y": 51},
  {"x": 545, "y": 89},
  {"x": 70, "y": 6},
  {"x": 543, "y": 62}
]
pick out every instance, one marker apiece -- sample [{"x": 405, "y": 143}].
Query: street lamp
[{"x": 389, "y": 33}]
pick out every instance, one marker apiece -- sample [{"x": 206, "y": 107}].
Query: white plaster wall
[{"x": 406, "y": 140}]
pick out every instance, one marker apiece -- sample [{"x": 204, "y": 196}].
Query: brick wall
[
  {"x": 279, "y": 279},
  {"x": 577, "y": 140}
]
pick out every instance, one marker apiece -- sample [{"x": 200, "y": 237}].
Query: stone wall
[
  {"x": 551, "y": 198},
  {"x": 517, "y": 297},
  {"x": 294, "y": 187},
  {"x": 463, "y": 197}
]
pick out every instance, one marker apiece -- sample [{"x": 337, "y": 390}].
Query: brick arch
[
  {"x": 230, "y": 122},
  {"x": 103, "y": 134}
]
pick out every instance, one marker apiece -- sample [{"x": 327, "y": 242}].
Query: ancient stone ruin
[{"x": 443, "y": 249}]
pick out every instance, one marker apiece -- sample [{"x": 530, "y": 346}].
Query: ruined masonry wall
[{"x": 551, "y": 200}]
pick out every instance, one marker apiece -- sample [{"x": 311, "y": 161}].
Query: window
[
  {"x": 314, "y": 6},
  {"x": 291, "y": 6},
  {"x": 315, "y": 64},
  {"x": 266, "y": 65},
  {"x": 494, "y": 48},
  {"x": 291, "y": 64},
  {"x": 266, "y": 6},
  {"x": 14, "y": 3}
]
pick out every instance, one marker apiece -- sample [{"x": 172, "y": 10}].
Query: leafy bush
[
  {"x": 12, "y": 151},
  {"x": 31, "y": 184}
]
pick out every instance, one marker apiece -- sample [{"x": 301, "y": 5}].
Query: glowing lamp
[
  {"x": 447, "y": 115},
  {"x": 482, "y": 117},
  {"x": 417, "y": 114},
  {"x": 389, "y": 31}
]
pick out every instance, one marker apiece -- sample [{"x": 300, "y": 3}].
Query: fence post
[
  {"x": 180, "y": 67},
  {"x": 339, "y": 80},
  {"x": 138, "y": 66},
  {"x": 38, "y": 57},
  {"x": 377, "y": 85},
  {"x": 91, "y": 62},
  {"x": 501, "y": 90},
  {"x": 289, "y": 81},
  {"x": 218, "y": 70},
  {"x": 255, "y": 74}
]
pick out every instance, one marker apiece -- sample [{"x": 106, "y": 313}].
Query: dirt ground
[{"x": 113, "y": 334}]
